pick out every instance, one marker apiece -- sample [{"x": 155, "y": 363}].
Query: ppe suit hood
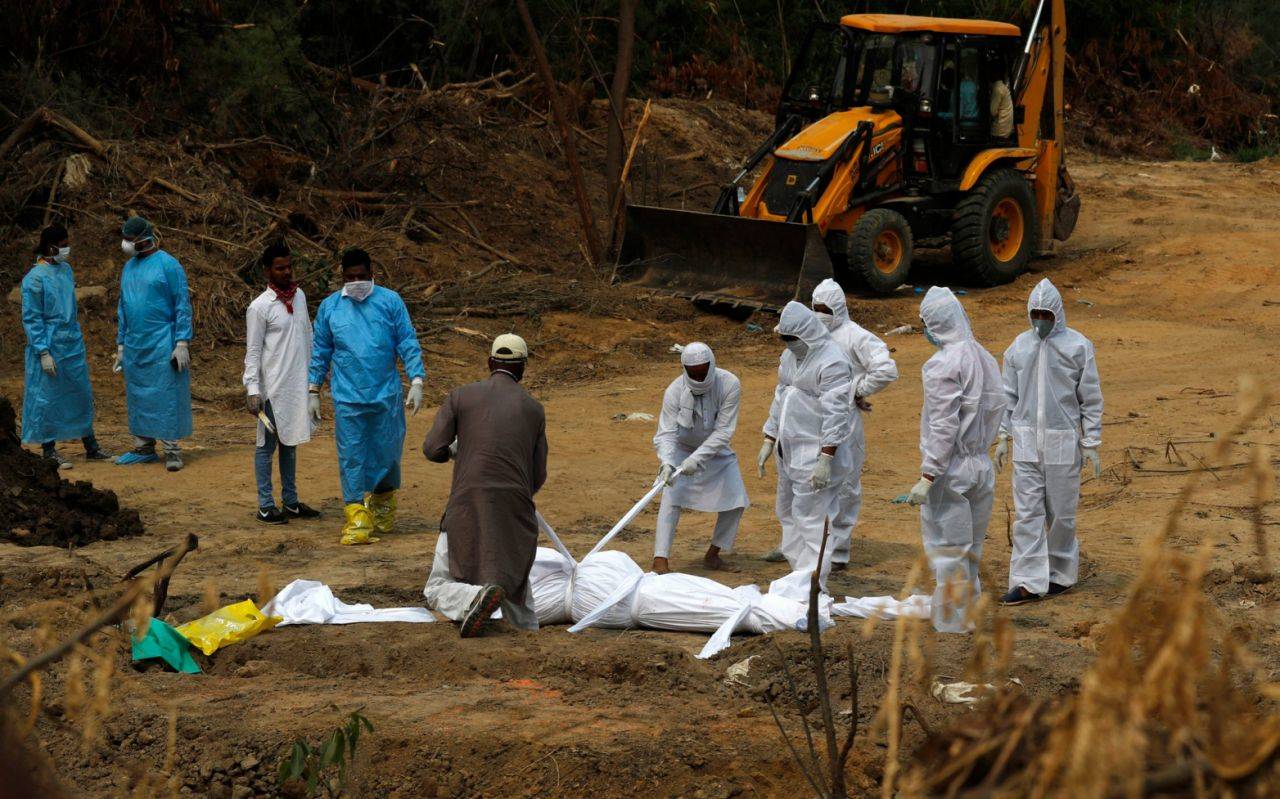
[
  {"x": 801, "y": 322},
  {"x": 695, "y": 354},
  {"x": 1045, "y": 297},
  {"x": 830, "y": 294},
  {"x": 943, "y": 314}
]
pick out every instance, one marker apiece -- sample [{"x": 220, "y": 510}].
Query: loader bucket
[{"x": 719, "y": 259}]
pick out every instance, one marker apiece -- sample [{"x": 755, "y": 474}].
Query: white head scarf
[{"x": 692, "y": 397}]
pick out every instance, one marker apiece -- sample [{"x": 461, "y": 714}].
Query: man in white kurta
[
  {"x": 277, "y": 355},
  {"x": 700, "y": 469},
  {"x": 873, "y": 370}
]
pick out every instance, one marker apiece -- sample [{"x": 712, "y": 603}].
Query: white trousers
[
  {"x": 803, "y": 512},
  {"x": 1045, "y": 548},
  {"x": 453, "y": 598},
  {"x": 847, "y": 509},
  {"x": 725, "y": 534},
  {"x": 953, "y": 523}
]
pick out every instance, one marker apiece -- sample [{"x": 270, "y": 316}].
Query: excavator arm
[{"x": 1039, "y": 87}]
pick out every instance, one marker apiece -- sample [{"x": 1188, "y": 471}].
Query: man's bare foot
[
  {"x": 660, "y": 566},
  {"x": 839, "y": 567},
  {"x": 719, "y": 564}
]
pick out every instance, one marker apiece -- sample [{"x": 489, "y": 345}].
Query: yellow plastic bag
[{"x": 229, "y": 625}]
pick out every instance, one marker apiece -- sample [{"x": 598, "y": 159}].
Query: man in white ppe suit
[
  {"x": 808, "y": 432},
  {"x": 873, "y": 370},
  {"x": 699, "y": 417},
  {"x": 963, "y": 403},
  {"x": 1054, "y": 417}
]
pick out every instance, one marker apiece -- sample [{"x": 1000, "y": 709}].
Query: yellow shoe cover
[
  {"x": 359, "y": 526},
  {"x": 383, "y": 508}
]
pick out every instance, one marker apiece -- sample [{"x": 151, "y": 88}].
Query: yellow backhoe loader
[{"x": 893, "y": 132}]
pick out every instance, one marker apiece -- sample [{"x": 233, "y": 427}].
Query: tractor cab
[{"x": 936, "y": 75}]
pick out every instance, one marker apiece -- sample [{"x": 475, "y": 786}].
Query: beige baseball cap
[{"x": 509, "y": 347}]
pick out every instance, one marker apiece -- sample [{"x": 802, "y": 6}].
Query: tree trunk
[
  {"x": 616, "y": 144},
  {"x": 590, "y": 241}
]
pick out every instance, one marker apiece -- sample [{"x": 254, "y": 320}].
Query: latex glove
[
  {"x": 766, "y": 452},
  {"x": 821, "y": 477},
  {"x": 181, "y": 357},
  {"x": 689, "y": 466},
  {"x": 253, "y": 404},
  {"x": 666, "y": 474},
  {"x": 1090, "y": 455},
  {"x": 919, "y": 492},
  {"x": 117, "y": 365},
  {"x": 1002, "y": 452},
  {"x": 313, "y": 404},
  {"x": 414, "y": 400},
  {"x": 47, "y": 364}
]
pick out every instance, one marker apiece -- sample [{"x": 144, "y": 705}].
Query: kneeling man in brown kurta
[{"x": 496, "y": 434}]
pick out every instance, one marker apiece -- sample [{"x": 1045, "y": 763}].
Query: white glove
[
  {"x": 453, "y": 450},
  {"x": 920, "y": 492},
  {"x": 47, "y": 364},
  {"x": 1002, "y": 452},
  {"x": 689, "y": 466},
  {"x": 1090, "y": 455},
  {"x": 313, "y": 403},
  {"x": 414, "y": 400},
  {"x": 117, "y": 365},
  {"x": 666, "y": 474},
  {"x": 181, "y": 357},
  {"x": 821, "y": 477},
  {"x": 766, "y": 452}
]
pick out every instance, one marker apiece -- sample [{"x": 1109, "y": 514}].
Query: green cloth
[
  {"x": 166, "y": 643},
  {"x": 136, "y": 226}
]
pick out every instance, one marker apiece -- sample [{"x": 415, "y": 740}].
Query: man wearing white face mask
[
  {"x": 809, "y": 435},
  {"x": 873, "y": 370},
  {"x": 1054, "y": 416},
  {"x": 152, "y": 346},
  {"x": 700, "y": 470},
  {"x": 963, "y": 403},
  {"x": 362, "y": 330}
]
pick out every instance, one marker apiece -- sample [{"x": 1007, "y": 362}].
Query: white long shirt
[{"x": 276, "y": 357}]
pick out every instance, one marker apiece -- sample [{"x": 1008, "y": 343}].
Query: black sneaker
[
  {"x": 1019, "y": 596},
  {"x": 481, "y": 611},
  {"x": 98, "y": 454},
  {"x": 272, "y": 515},
  {"x": 58, "y": 458},
  {"x": 1055, "y": 589},
  {"x": 173, "y": 461},
  {"x": 301, "y": 511}
]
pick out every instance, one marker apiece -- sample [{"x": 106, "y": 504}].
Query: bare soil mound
[{"x": 41, "y": 509}]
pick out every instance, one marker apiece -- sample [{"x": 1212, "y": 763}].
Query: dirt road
[{"x": 1173, "y": 274}]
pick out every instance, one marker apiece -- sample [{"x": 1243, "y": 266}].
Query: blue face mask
[{"x": 932, "y": 338}]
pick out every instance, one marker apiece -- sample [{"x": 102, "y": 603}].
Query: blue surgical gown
[
  {"x": 361, "y": 341},
  {"x": 155, "y": 314},
  {"x": 61, "y": 407}
]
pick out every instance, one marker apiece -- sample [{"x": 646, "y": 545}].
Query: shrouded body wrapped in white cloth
[{"x": 607, "y": 589}]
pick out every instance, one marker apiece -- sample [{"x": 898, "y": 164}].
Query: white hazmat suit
[
  {"x": 963, "y": 403},
  {"x": 695, "y": 427},
  {"x": 873, "y": 369},
  {"x": 1054, "y": 411},
  {"x": 810, "y": 411}
]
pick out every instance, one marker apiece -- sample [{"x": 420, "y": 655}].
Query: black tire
[
  {"x": 880, "y": 249},
  {"x": 978, "y": 235}
]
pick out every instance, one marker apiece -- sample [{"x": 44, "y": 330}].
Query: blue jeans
[{"x": 288, "y": 467}]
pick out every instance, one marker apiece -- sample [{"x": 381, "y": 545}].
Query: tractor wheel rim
[
  {"x": 1006, "y": 231},
  {"x": 886, "y": 251}
]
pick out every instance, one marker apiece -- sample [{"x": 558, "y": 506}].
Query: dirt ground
[{"x": 1172, "y": 273}]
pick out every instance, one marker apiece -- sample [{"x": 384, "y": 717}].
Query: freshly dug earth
[{"x": 39, "y": 508}]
